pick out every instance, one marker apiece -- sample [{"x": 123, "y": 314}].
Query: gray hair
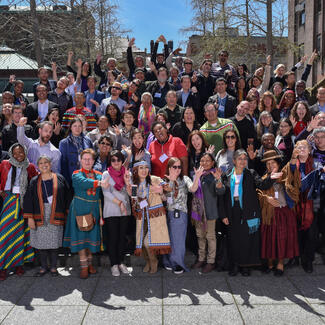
[
  {"x": 319, "y": 130},
  {"x": 147, "y": 94},
  {"x": 49, "y": 160},
  {"x": 239, "y": 152},
  {"x": 111, "y": 59}
]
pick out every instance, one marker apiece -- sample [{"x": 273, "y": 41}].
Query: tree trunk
[
  {"x": 269, "y": 38},
  {"x": 36, "y": 34}
]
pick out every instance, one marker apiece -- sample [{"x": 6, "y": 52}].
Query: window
[
  {"x": 302, "y": 14},
  {"x": 318, "y": 6}
]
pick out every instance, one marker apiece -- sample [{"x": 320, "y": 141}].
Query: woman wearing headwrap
[{"x": 15, "y": 248}]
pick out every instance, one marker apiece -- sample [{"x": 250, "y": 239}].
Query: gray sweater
[{"x": 111, "y": 209}]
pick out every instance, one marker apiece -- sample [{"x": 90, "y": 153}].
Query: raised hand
[
  {"x": 157, "y": 189},
  {"x": 313, "y": 57},
  {"x": 194, "y": 77},
  {"x": 131, "y": 42},
  {"x": 210, "y": 149},
  {"x": 127, "y": 150},
  {"x": 116, "y": 129},
  {"x": 163, "y": 39},
  {"x": 54, "y": 66},
  {"x": 12, "y": 78},
  {"x": 22, "y": 121},
  {"x": 57, "y": 128},
  {"x": 268, "y": 59},
  {"x": 276, "y": 175},
  {"x": 217, "y": 174},
  {"x": 198, "y": 172},
  {"x": 177, "y": 51},
  {"x": 312, "y": 124},
  {"x": 70, "y": 54},
  {"x": 139, "y": 155},
  {"x": 79, "y": 63},
  {"x": 293, "y": 121},
  {"x": 251, "y": 153},
  {"x": 99, "y": 57}
]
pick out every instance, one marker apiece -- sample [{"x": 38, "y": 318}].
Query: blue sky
[{"x": 149, "y": 19}]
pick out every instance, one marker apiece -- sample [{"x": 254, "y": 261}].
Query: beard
[{"x": 45, "y": 139}]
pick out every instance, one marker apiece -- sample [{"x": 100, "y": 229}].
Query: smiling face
[
  {"x": 87, "y": 161},
  {"x": 268, "y": 141},
  {"x": 76, "y": 128},
  {"x": 175, "y": 169},
  {"x": 116, "y": 163},
  {"x": 231, "y": 139},
  {"x": 160, "y": 132},
  {"x": 284, "y": 128},
  {"x": 301, "y": 111},
  {"x": 189, "y": 116},
  {"x": 19, "y": 153},
  {"x": 197, "y": 142},
  {"x": 143, "y": 172},
  {"x": 138, "y": 140},
  {"x": 44, "y": 166},
  {"x": 206, "y": 162},
  {"x": 241, "y": 161},
  {"x": 54, "y": 117},
  {"x": 272, "y": 166}
]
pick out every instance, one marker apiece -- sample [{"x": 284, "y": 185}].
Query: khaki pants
[{"x": 204, "y": 236}]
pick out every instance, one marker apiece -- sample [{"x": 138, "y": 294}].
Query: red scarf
[
  {"x": 118, "y": 176},
  {"x": 304, "y": 207}
]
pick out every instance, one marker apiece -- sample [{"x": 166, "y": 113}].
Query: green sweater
[{"x": 214, "y": 134}]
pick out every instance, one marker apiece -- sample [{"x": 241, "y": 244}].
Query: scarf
[
  {"x": 240, "y": 188},
  {"x": 198, "y": 213},
  {"x": 23, "y": 177},
  {"x": 304, "y": 208},
  {"x": 146, "y": 118},
  {"x": 118, "y": 177},
  {"x": 78, "y": 142}
]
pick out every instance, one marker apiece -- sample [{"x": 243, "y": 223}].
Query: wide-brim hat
[{"x": 270, "y": 155}]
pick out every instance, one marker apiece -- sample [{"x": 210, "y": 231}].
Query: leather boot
[
  {"x": 84, "y": 273},
  {"x": 153, "y": 263},
  {"x": 146, "y": 257},
  {"x": 91, "y": 269}
]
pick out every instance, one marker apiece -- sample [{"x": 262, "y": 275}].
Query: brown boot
[
  {"x": 197, "y": 265},
  {"x": 91, "y": 269},
  {"x": 84, "y": 273},
  {"x": 146, "y": 257},
  {"x": 208, "y": 268}
]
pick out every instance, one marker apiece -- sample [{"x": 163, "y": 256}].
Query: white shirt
[
  {"x": 16, "y": 187},
  {"x": 43, "y": 109},
  {"x": 237, "y": 182}
]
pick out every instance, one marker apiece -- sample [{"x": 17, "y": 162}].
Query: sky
[{"x": 149, "y": 19}]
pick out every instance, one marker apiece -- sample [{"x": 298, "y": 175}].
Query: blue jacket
[
  {"x": 99, "y": 96},
  {"x": 70, "y": 156}
]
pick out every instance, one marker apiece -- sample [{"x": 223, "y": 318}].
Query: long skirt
[
  {"x": 177, "y": 228},
  {"x": 47, "y": 236},
  {"x": 15, "y": 249},
  {"x": 280, "y": 239},
  {"x": 244, "y": 248}
]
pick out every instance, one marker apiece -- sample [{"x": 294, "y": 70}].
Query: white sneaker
[
  {"x": 123, "y": 269},
  {"x": 115, "y": 271}
]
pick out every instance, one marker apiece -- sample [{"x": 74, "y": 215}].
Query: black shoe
[
  {"x": 266, "y": 269},
  {"x": 178, "y": 270},
  {"x": 54, "y": 273},
  {"x": 233, "y": 271},
  {"x": 278, "y": 272},
  {"x": 292, "y": 262},
  {"x": 40, "y": 273},
  {"x": 308, "y": 267},
  {"x": 245, "y": 271}
]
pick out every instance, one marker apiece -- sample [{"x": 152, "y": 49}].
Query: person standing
[
  {"x": 15, "y": 174},
  {"x": 45, "y": 206}
]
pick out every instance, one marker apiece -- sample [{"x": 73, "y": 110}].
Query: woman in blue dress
[{"x": 87, "y": 185}]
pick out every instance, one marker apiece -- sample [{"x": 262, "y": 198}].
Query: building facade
[{"x": 306, "y": 30}]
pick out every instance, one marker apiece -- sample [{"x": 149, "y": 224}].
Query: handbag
[{"x": 85, "y": 222}]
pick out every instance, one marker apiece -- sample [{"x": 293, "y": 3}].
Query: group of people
[{"x": 226, "y": 163}]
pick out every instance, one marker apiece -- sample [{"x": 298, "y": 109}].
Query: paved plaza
[{"x": 164, "y": 298}]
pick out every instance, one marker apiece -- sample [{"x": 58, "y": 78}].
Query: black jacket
[
  {"x": 32, "y": 111},
  {"x": 230, "y": 107},
  {"x": 193, "y": 100},
  {"x": 159, "y": 94},
  {"x": 64, "y": 101}
]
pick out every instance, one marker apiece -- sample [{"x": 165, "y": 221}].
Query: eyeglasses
[
  {"x": 106, "y": 144},
  {"x": 319, "y": 138},
  {"x": 115, "y": 160},
  {"x": 210, "y": 64},
  {"x": 230, "y": 137},
  {"x": 187, "y": 62},
  {"x": 118, "y": 88},
  {"x": 177, "y": 167}
]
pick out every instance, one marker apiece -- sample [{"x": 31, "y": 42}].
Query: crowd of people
[{"x": 165, "y": 157}]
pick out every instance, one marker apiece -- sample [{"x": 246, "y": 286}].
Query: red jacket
[{"x": 5, "y": 168}]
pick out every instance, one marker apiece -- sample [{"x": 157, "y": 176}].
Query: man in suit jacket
[
  {"x": 320, "y": 105},
  {"x": 93, "y": 97},
  {"x": 227, "y": 104},
  {"x": 37, "y": 111},
  {"x": 187, "y": 96}
]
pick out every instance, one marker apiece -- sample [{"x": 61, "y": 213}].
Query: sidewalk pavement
[{"x": 164, "y": 298}]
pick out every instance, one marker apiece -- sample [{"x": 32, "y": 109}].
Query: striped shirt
[{"x": 71, "y": 113}]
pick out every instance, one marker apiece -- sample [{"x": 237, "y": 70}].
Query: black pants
[
  {"x": 116, "y": 228},
  {"x": 308, "y": 242},
  {"x": 52, "y": 254}
]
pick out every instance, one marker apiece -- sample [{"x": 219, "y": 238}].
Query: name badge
[
  {"x": 170, "y": 200},
  {"x": 50, "y": 199},
  {"x": 157, "y": 95},
  {"x": 143, "y": 204},
  {"x": 276, "y": 195},
  {"x": 163, "y": 158},
  {"x": 16, "y": 189}
]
